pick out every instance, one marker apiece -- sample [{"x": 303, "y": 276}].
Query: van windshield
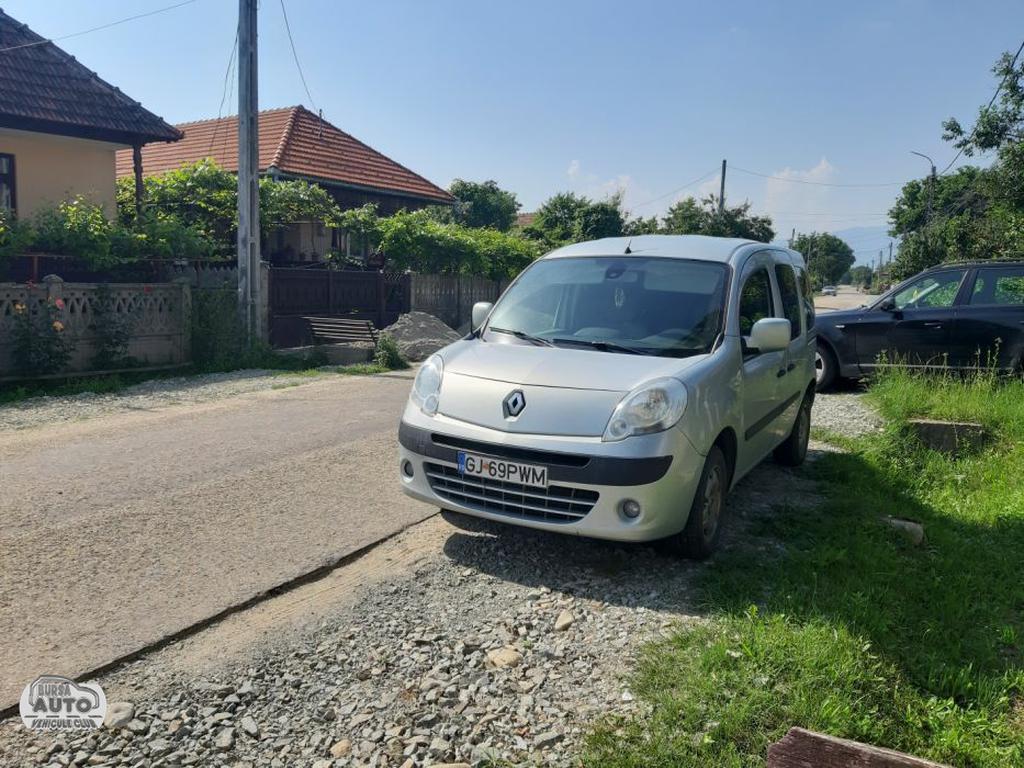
[{"x": 632, "y": 305}]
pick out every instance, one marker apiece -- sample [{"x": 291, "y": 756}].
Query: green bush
[
  {"x": 75, "y": 227},
  {"x": 388, "y": 355}
]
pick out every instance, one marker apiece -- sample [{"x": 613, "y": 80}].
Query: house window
[{"x": 7, "y": 198}]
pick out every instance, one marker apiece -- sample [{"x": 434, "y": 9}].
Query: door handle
[
  {"x": 933, "y": 325},
  {"x": 790, "y": 367},
  {"x": 781, "y": 373}
]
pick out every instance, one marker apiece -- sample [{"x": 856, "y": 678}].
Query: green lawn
[{"x": 848, "y": 628}]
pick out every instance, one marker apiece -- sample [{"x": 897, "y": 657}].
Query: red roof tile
[
  {"x": 294, "y": 141},
  {"x": 44, "y": 89}
]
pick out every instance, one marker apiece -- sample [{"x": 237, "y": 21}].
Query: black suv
[{"x": 952, "y": 315}]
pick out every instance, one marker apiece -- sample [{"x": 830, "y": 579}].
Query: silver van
[{"x": 618, "y": 389}]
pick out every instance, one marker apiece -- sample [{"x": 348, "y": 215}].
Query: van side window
[
  {"x": 786, "y": 279},
  {"x": 808, "y": 297},
  {"x": 755, "y": 300}
]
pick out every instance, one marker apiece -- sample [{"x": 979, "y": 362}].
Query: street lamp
[{"x": 931, "y": 183}]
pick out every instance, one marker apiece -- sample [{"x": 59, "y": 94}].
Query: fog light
[
  {"x": 631, "y": 509},
  {"x": 407, "y": 469}
]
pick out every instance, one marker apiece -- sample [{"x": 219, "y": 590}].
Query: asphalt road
[
  {"x": 120, "y": 530},
  {"x": 847, "y": 297}
]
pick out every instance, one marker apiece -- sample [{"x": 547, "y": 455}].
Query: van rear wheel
[
  {"x": 793, "y": 450},
  {"x": 699, "y": 539}
]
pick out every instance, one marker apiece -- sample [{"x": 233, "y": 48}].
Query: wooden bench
[{"x": 341, "y": 330}]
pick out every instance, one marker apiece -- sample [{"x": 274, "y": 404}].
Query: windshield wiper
[
  {"x": 604, "y": 346},
  {"x": 523, "y": 335}
]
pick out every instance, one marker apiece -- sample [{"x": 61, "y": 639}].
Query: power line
[
  {"x": 676, "y": 191},
  {"x": 100, "y": 27},
  {"x": 815, "y": 183},
  {"x": 295, "y": 55},
  {"x": 991, "y": 101},
  {"x": 224, "y": 93}
]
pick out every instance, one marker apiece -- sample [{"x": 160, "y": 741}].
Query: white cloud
[{"x": 595, "y": 187}]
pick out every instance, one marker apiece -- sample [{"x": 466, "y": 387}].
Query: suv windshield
[{"x": 632, "y": 305}]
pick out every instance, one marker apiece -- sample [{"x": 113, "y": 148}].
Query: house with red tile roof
[
  {"x": 61, "y": 124},
  {"x": 295, "y": 143}
]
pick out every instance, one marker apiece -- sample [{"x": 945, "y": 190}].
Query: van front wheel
[{"x": 699, "y": 539}]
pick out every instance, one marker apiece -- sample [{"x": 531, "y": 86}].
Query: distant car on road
[
  {"x": 828, "y": 290},
  {"x": 954, "y": 315}
]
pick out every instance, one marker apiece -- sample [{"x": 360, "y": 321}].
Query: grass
[{"x": 849, "y": 629}]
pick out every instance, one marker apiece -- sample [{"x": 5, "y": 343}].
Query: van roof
[{"x": 702, "y": 247}]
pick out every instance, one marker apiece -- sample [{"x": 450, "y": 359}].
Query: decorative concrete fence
[{"x": 157, "y": 317}]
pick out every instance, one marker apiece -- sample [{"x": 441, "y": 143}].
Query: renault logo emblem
[{"x": 514, "y": 403}]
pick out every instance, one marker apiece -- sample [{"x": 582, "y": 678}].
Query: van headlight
[
  {"x": 426, "y": 389},
  {"x": 651, "y": 407}
]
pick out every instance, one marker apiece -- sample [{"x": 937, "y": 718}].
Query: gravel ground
[{"x": 845, "y": 413}]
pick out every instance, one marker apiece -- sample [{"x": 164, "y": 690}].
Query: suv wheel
[
  {"x": 703, "y": 528},
  {"x": 825, "y": 368},
  {"x": 793, "y": 449}
]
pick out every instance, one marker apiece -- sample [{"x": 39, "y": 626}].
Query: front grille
[{"x": 554, "y": 504}]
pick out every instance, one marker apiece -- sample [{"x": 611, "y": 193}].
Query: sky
[{"x": 644, "y": 97}]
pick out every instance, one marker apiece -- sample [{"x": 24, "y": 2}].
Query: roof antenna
[
  {"x": 320, "y": 130},
  {"x": 628, "y": 251}
]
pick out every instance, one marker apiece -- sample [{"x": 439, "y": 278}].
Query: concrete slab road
[{"x": 120, "y": 530}]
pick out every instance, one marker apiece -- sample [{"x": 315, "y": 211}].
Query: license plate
[{"x": 499, "y": 469}]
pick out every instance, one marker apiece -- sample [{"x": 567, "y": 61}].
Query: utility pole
[
  {"x": 248, "y": 173},
  {"x": 792, "y": 237},
  {"x": 721, "y": 190}
]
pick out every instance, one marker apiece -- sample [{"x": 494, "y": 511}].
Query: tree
[
  {"x": 828, "y": 257},
  {"x": 483, "y": 204},
  {"x": 861, "y": 275},
  {"x": 1000, "y": 124},
  {"x": 693, "y": 217},
  {"x": 570, "y": 218}
]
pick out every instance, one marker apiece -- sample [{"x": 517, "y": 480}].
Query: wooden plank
[{"x": 806, "y": 749}]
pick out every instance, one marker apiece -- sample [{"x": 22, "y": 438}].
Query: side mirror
[
  {"x": 769, "y": 334},
  {"x": 480, "y": 312},
  {"x": 888, "y": 306}
]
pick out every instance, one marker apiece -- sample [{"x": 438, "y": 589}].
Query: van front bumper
[{"x": 660, "y": 472}]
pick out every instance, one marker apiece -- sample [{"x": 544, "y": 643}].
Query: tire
[
  {"x": 793, "y": 450},
  {"x": 826, "y": 368},
  {"x": 699, "y": 539}
]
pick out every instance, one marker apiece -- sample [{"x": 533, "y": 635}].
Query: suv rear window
[{"x": 1002, "y": 287}]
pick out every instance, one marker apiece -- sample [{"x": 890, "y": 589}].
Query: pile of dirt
[{"x": 420, "y": 335}]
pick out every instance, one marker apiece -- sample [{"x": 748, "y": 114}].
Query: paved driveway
[{"x": 122, "y": 529}]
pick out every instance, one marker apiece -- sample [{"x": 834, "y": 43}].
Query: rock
[
  {"x": 564, "y": 621},
  {"x": 323, "y": 763},
  {"x": 949, "y": 437},
  {"x": 450, "y": 765},
  {"x": 341, "y": 748},
  {"x": 546, "y": 739},
  {"x": 137, "y": 726},
  {"x": 225, "y": 739},
  {"x": 119, "y": 714},
  {"x": 248, "y": 724},
  {"x": 504, "y": 657},
  {"x": 420, "y": 335},
  {"x": 912, "y": 531}
]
